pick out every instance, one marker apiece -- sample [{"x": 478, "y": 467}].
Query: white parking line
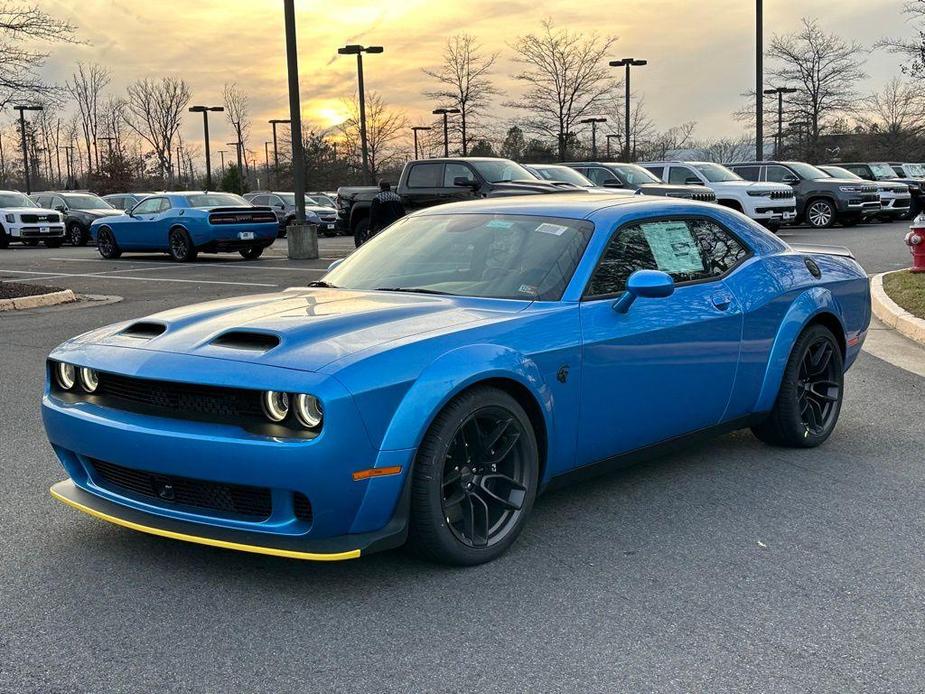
[{"x": 102, "y": 276}]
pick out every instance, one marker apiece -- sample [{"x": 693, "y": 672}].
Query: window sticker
[
  {"x": 499, "y": 224},
  {"x": 554, "y": 229},
  {"x": 673, "y": 246}
]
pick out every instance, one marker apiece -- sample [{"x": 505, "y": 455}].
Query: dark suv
[
  {"x": 821, "y": 200},
  {"x": 883, "y": 172},
  {"x": 79, "y": 210},
  {"x": 283, "y": 205},
  {"x": 634, "y": 177}
]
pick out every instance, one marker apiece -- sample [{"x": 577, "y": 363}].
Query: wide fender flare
[
  {"x": 452, "y": 373},
  {"x": 802, "y": 311}
]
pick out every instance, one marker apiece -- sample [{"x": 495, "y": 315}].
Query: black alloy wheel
[
  {"x": 106, "y": 244},
  {"x": 180, "y": 246},
  {"x": 819, "y": 386},
  {"x": 76, "y": 235},
  {"x": 474, "y": 480}
]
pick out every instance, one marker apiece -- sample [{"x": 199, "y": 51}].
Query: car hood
[
  {"x": 752, "y": 185},
  {"x": 320, "y": 209},
  {"x": 301, "y": 328},
  {"x": 96, "y": 214},
  {"x": 529, "y": 186},
  {"x": 29, "y": 210}
]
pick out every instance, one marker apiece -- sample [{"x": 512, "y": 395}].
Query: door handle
[{"x": 722, "y": 301}]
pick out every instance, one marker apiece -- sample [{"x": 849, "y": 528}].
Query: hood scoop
[
  {"x": 247, "y": 341},
  {"x": 144, "y": 330}
]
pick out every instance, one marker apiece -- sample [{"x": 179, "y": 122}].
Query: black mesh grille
[
  {"x": 185, "y": 398},
  {"x": 228, "y": 498},
  {"x": 302, "y": 507},
  {"x": 36, "y": 218},
  {"x": 782, "y": 194}
]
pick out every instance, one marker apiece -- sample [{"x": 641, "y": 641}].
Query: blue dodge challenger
[
  {"x": 432, "y": 384},
  {"x": 186, "y": 224}
]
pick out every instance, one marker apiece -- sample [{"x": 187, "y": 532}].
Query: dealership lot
[{"x": 731, "y": 566}]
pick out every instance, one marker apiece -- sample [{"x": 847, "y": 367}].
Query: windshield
[
  {"x": 882, "y": 171},
  {"x": 289, "y": 199},
  {"x": 839, "y": 172},
  {"x": 323, "y": 200},
  {"x": 483, "y": 255},
  {"x": 500, "y": 170},
  {"x": 635, "y": 175},
  {"x": 810, "y": 173},
  {"x": 915, "y": 170},
  {"x": 15, "y": 200},
  {"x": 216, "y": 200},
  {"x": 715, "y": 173},
  {"x": 563, "y": 173},
  {"x": 86, "y": 202}
]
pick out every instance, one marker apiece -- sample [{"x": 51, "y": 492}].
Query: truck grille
[
  {"x": 704, "y": 197},
  {"x": 782, "y": 194},
  {"x": 230, "y": 499},
  {"x": 53, "y": 218}
]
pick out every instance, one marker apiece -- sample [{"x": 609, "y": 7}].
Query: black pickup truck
[{"x": 428, "y": 182}]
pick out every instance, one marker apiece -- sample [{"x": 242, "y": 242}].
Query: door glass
[
  {"x": 149, "y": 206},
  {"x": 778, "y": 174},
  {"x": 688, "y": 250},
  {"x": 749, "y": 173},
  {"x": 680, "y": 174},
  {"x": 425, "y": 176},
  {"x": 454, "y": 171},
  {"x": 599, "y": 175},
  {"x": 164, "y": 206}
]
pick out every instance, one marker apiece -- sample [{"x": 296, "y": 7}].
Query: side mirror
[
  {"x": 60, "y": 208},
  {"x": 335, "y": 264},
  {"x": 648, "y": 284},
  {"x": 280, "y": 206},
  {"x": 612, "y": 183},
  {"x": 791, "y": 180},
  {"x": 692, "y": 181},
  {"x": 465, "y": 182}
]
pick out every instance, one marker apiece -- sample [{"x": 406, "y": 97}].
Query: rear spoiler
[{"x": 822, "y": 250}]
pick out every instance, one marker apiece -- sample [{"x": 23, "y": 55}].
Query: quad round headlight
[
  {"x": 65, "y": 375},
  {"x": 275, "y": 405},
  {"x": 308, "y": 410},
  {"x": 89, "y": 379}
]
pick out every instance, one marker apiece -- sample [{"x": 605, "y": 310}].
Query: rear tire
[
  {"x": 811, "y": 391},
  {"x": 180, "y": 246},
  {"x": 251, "y": 253},
  {"x": 474, "y": 479},
  {"x": 106, "y": 244}
]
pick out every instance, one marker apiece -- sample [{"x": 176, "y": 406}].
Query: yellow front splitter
[{"x": 212, "y": 542}]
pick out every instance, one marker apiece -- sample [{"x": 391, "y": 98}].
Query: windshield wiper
[
  {"x": 322, "y": 283},
  {"x": 414, "y": 290}
]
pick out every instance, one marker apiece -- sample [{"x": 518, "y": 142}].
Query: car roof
[{"x": 566, "y": 205}]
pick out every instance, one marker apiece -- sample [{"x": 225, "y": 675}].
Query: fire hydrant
[{"x": 915, "y": 239}]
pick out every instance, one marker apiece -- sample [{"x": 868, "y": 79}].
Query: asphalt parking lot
[{"x": 729, "y": 567}]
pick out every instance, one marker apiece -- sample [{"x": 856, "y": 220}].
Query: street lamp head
[
  {"x": 350, "y": 49},
  {"x": 278, "y": 121},
  {"x": 421, "y": 127},
  {"x": 627, "y": 61},
  {"x": 217, "y": 108},
  {"x": 374, "y": 49},
  {"x": 28, "y": 108}
]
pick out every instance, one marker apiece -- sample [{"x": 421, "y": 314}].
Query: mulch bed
[{"x": 14, "y": 290}]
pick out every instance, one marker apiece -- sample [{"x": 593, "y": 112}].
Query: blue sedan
[
  {"x": 466, "y": 359},
  {"x": 186, "y": 224}
]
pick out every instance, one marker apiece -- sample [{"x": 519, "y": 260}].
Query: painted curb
[
  {"x": 892, "y": 314},
  {"x": 38, "y": 301}
]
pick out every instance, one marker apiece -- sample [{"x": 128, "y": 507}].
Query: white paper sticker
[
  {"x": 673, "y": 246},
  {"x": 554, "y": 229}
]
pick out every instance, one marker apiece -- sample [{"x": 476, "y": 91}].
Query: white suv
[
  {"x": 771, "y": 204},
  {"x": 22, "y": 220}
]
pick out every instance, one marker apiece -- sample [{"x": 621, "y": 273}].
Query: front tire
[
  {"x": 811, "y": 392},
  {"x": 106, "y": 245},
  {"x": 180, "y": 246},
  {"x": 474, "y": 480},
  {"x": 820, "y": 214},
  {"x": 4, "y": 239},
  {"x": 360, "y": 232},
  {"x": 76, "y": 236},
  {"x": 251, "y": 253}
]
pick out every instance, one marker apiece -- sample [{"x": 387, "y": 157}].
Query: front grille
[
  {"x": 219, "y": 218},
  {"x": 782, "y": 194},
  {"x": 180, "y": 398},
  {"x": 36, "y": 218},
  {"x": 704, "y": 197},
  {"x": 231, "y": 499}
]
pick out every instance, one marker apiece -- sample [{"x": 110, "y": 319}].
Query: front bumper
[
  {"x": 347, "y": 516},
  {"x": 36, "y": 231}
]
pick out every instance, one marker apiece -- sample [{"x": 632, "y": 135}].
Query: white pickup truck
[
  {"x": 770, "y": 204},
  {"x": 23, "y": 221}
]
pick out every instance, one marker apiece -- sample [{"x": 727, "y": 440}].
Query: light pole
[
  {"x": 627, "y": 63},
  {"x": 274, "y": 123},
  {"x": 222, "y": 154},
  {"x": 416, "y": 129},
  {"x": 25, "y": 147},
  {"x": 266, "y": 152},
  {"x": 237, "y": 146},
  {"x": 445, "y": 112},
  {"x": 759, "y": 80},
  {"x": 593, "y": 122},
  {"x": 358, "y": 51},
  {"x": 609, "y": 138},
  {"x": 780, "y": 91},
  {"x": 204, "y": 110},
  {"x": 295, "y": 115}
]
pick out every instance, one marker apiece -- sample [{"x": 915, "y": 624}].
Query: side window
[
  {"x": 454, "y": 171},
  {"x": 749, "y": 173},
  {"x": 657, "y": 171},
  {"x": 148, "y": 206},
  {"x": 859, "y": 171},
  {"x": 598, "y": 175},
  {"x": 165, "y": 205},
  {"x": 57, "y": 202},
  {"x": 688, "y": 250},
  {"x": 680, "y": 174},
  {"x": 777, "y": 174},
  {"x": 425, "y": 176},
  {"x": 259, "y": 200}
]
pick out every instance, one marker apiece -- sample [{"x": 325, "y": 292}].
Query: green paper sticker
[{"x": 673, "y": 246}]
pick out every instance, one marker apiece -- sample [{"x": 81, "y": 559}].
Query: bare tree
[
  {"x": 913, "y": 49},
  {"x": 677, "y": 137},
  {"x": 464, "y": 82},
  {"x": 567, "y": 79},
  {"x": 86, "y": 87},
  {"x": 23, "y": 27},
  {"x": 154, "y": 112},
  {"x": 384, "y": 130},
  {"x": 823, "y": 67},
  {"x": 897, "y": 110},
  {"x": 236, "y": 111}
]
